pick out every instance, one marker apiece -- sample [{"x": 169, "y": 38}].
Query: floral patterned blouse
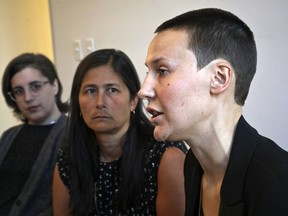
[{"x": 108, "y": 182}]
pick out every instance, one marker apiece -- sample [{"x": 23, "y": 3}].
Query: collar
[{"x": 243, "y": 148}]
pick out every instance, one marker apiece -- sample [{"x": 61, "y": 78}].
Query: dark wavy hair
[
  {"x": 83, "y": 149},
  {"x": 214, "y": 33},
  {"x": 36, "y": 61}
]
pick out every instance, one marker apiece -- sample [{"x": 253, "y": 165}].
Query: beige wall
[
  {"x": 25, "y": 27},
  {"x": 129, "y": 25}
]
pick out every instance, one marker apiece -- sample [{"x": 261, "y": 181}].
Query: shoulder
[
  {"x": 175, "y": 149},
  {"x": 11, "y": 131},
  {"x": 61, "y": 123},
  {"x": 178, "y": 144},
  {"x": 270, "y": 158},
  {"x": 57, "y": 133},
  {"x": 268, "y": 190},
  {"x": 63, "y": 166},
  {"x": 172, "y": 157},
  {"x": 161, "y": 147},
  {"x": 267, "y": 176},
  {"x": 155, "y": 151},
  {"x": 262, "y": 156}
]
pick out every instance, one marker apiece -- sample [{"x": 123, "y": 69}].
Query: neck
[
  {"x": 110, "y": 153},
  {"x": 213, "y": 146},
  {"x": 111, "y": 148},
  {"x": 51, "y": 119},
  {"x": 111, "y": 144}
]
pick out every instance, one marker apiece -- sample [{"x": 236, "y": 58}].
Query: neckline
[
  {"x": 110, "y": 162},
  {"x": 52, "y": 122}
]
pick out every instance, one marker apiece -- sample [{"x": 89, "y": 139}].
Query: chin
[{"x": 161, "y": 135}]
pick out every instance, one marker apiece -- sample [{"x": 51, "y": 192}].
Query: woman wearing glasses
[{"x": 32, "y": 89}]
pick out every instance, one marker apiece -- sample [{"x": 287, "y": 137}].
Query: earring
[{"x": 216, "y": 82}]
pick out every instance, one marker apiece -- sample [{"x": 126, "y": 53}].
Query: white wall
[
  {"x": 25, "y": 27},
  {"x": 129, "y": 25}
]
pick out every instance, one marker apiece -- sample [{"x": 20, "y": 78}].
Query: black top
[
  {"x": 19, "y": 161},
  {"x": 255, "y": 182},
  {"x": 107, "y": 185}
]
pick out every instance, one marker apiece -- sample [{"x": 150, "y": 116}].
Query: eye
[
  {"x": 112, "y": 90},
  {"x": 163, "y": 71},
  {"x": 90, "y": 90},
  {"x": 35, "y": 86},
  {"x": 18, "y": 91}
]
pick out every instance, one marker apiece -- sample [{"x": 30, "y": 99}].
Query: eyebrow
[
  {"x": 105, "y": 85},
  {"x": 155, "y": 61}
]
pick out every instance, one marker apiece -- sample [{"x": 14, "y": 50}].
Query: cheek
[
  {"x": 172, "y": 94},
  {"x": 85, "y": 110},
  {"x": 176, "y": 100},
  {"x": 85, "y": 106},
  {"x": 122, "y": 107},
  {"x": 47, "y": 97},
  {"x": 21, "y": 107}
]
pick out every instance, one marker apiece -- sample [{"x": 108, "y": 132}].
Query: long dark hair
[
  {"x": 36, "y": 61},
  {"x": 82, "y": 145}
]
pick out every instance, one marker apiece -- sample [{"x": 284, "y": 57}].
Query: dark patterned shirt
[{"x": 108, "y": 182}]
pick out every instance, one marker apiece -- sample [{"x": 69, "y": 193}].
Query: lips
[
  {"x": 101, "y": 117},
  {"x": 154, "y": 114},
  {"x": 33, "y": 108}
]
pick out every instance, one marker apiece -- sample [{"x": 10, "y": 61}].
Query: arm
[
  {"x": 170, "y": 199},
  {"x": 61, "y": 196}
]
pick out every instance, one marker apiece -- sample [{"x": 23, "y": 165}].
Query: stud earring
[{"x": 216, "y": 83}]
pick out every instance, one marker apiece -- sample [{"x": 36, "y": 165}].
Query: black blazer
[{"x": 255, "y": 182}]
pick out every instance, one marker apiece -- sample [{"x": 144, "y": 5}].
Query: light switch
[
  {"x": 78, "y": 52},
  {"x": 90, "y": 45}
]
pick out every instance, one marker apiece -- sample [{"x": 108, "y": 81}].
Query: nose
[
  {"x": 147, "y": 91},
  {"x": 27, "y": 95},
  {"x": 100, "y": 101}
]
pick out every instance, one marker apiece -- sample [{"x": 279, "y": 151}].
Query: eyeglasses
[{"x": 17, "y": 94}]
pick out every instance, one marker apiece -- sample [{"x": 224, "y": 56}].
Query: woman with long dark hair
[{"x": 110, "y": 163}]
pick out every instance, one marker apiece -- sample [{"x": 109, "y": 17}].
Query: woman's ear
[
  {"x": 221, "y": 76},
  {"x": 133, "y": 103},
  {"x": 55, "y": 86}
]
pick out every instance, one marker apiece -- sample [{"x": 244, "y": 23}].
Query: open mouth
[{"x": 153, "y": 112}]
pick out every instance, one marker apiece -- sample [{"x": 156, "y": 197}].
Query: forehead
[
  {"x": 102, "y": 75},
  {"x": 25, "y": 76},
  {"x": 168, "y": 44}
]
